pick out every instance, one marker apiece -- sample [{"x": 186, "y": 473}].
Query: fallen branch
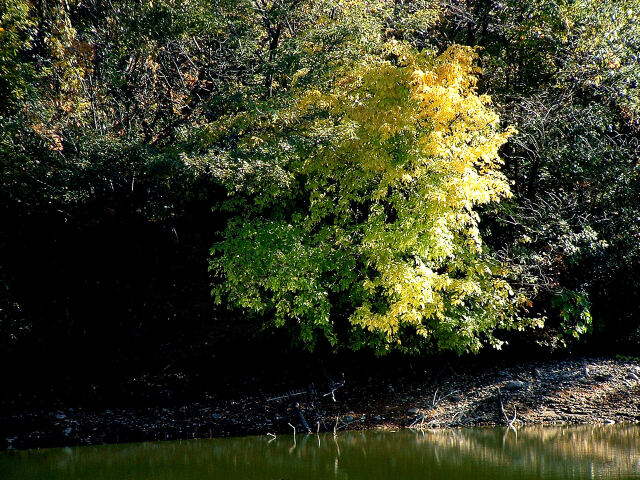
[
  {"x": 419, "y": 419},
  {"x": 437, "y": 400},
  {"x": 455, "y": 417},
  {"x": 334, "y": 386},
  {"x": 303, "y": 421},
  {"x": 501, "y": 405},
  {"x": 511, "y": 422},
  {"x": 287, "y": 396}
]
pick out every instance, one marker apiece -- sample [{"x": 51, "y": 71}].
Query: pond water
[{"x": 479, "y": 453}]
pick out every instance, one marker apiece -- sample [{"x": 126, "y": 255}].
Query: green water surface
[{"x": 480, "y": 453}]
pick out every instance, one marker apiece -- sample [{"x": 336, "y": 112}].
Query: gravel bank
[{"x": 575, "y": 391}]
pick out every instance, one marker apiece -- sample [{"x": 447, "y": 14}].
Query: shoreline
[{"x": 581, "y": 390}]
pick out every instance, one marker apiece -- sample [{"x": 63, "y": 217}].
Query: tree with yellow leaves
[{"x": 382, "y": 239}]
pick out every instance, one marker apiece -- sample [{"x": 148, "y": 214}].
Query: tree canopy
[
  {"x": 417, "y": 175},
  {"x": 388, "y": 166}
]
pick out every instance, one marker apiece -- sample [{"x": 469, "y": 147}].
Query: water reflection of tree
[
  {"x": 486, "y": 454},
  {"x": 604, "y": 448}
]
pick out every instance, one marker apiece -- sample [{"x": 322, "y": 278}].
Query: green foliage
[
  {"x": 574, "y": 308},
  {"x": 391, "y": 162},
  {"x": 565, "y": 74},
  {"x": 602, "y": 51},
  {"x": 16, "y": 35}
]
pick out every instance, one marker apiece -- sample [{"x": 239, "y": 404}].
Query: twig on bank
[
  {"x": 513, "y": 420},
  {"x": 419, "y": 419},
  {"x": 303, "y": 421},
  {"x": 510, "y": 422},
  {"x": 435, "y": 401},
  {"x": 334, "y": 386},
  {"x": 288, "y": 395},
  {"x": 501, "y": 405},
  {"x": 455, "y": 417}
]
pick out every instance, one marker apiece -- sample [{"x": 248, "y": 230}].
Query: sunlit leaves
[
  {"x": 393, "y": 159},
  {"x": 17, "y": 30},
  {"x": 604, "y": 55}
]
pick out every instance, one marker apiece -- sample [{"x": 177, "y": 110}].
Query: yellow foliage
[
  {"x": 394, "y": 156},
  {"x": 449, "y": 163}
]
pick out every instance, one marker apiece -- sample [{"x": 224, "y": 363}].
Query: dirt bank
[{"x": 577, "y": 391}]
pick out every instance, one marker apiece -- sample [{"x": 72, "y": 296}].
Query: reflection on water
[{"x": 481, "y": 453}]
